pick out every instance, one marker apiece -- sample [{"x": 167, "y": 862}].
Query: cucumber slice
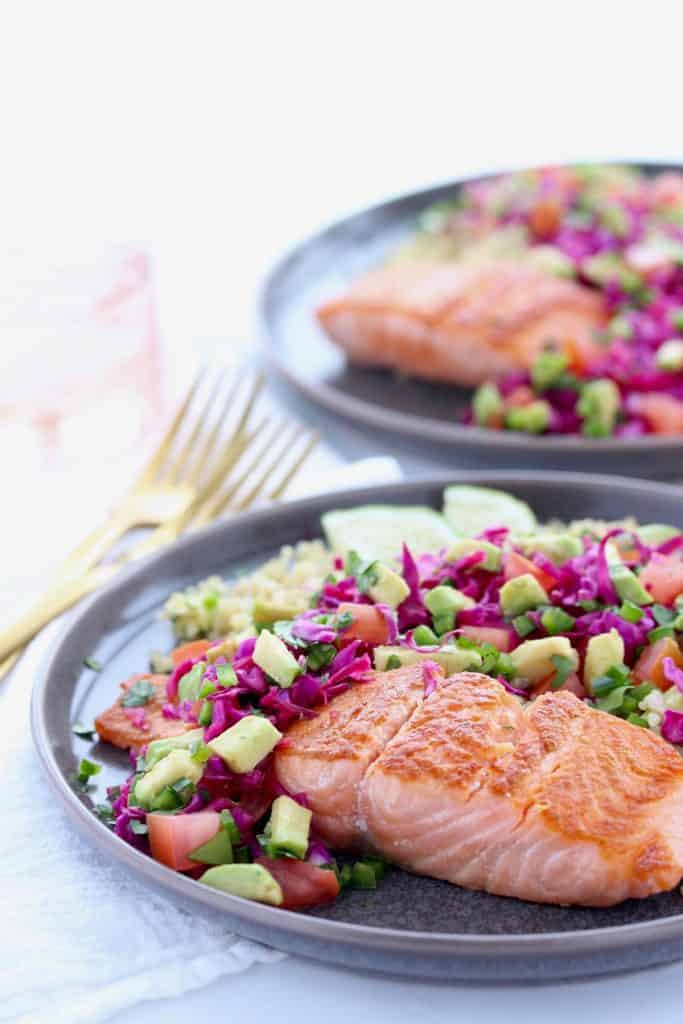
[
  {"x": 469, "y": 510},
  {"x": 377, "y": 532}
]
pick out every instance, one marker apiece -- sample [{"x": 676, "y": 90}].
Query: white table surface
[{"x": 220, "y": 133}]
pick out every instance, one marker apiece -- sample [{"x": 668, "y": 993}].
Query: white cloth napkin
[{"x": 80, "y": 938}]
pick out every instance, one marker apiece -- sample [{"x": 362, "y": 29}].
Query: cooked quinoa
[{"x": 219, "y": 608}]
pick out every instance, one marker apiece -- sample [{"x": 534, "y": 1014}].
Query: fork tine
[
  {"x": 252, "y": 494},
  {"x": 278, "y": 491},
  {"x": 180, "y": 459},
  {"x": 201, "y": 459},
  {"x": 213, "y": 508},
  {"x": 151, "y": 470},
  {"x": 239, "y": 427}
]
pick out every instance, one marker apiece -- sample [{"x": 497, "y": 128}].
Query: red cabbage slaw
[
  {"x": 331, "y": 659},
  {"x": 613, "y": 230}
]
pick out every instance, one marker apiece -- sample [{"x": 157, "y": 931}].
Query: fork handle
[{"x": 52, "y": 604}]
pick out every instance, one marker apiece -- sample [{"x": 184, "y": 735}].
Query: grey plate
[
  {"x": 323, "y": 266},
  {"x": 410, "y": 925}
]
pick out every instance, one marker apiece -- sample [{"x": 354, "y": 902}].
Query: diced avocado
[
  {"x": 654, "y": 534},
  {"x": 177, "y": 765},
  {"x": 265, "y": 613},
  {"x": 389, "y": 588},
  {"x": 533, "y": 418},
  {"x": 271, "y": 654},
  {"x": 160, "y": 748},
  {"x": 488, "y": 405},
  {"x": 444, "y": 603},
  {"x": 603, "y": 651},
  {"x": 548, "y": 368},
  {"x": 451, "y": 658},
  {"x": 470, "y": 510},
  {"x": 246, "y": 743},
  {"x": 290, "y": 824},
  {"x": 628, "y": 586},
  {"x": 466, "y": 546},
  {"x": 190, "y": 684},
  {"x": 599, "y": 406},
  {"x": 670, "y": 356},
  {"x": 425, "y": 637},
  {"x": 521, "y": 594},
  {"x": 552, "y": 260},
  {"x": 251, "y": 881},
  {"x": 533, "y": 658},
  {"x": 558, "y": 547},
  {"x": 217, "y": 850}
]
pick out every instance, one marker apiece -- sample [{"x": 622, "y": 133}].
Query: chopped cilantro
[
  {"x": 92, "y": 663},
  {"x": 138, "y": 694},
  {"x": 86, "y": 732},
  {"x": 563, "y": 669}
]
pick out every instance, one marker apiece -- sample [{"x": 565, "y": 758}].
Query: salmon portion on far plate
[
  {"x": 460, "y": 323},
  {"x": 555, "y": 802}
]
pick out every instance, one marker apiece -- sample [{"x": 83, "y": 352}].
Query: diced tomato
[
  {"x": 583, "y": 353},
  {"x": 571, "y": 683},
  {"x": 663, "y": 577},
  {"x": 520, "y": 397},
  {"x": 302, "y": 884},
  {"x": 518, "y": 565},
  {"x": 193, "y": 649},
  {"x": 368, "y": 624},
  {"x": 663, "y": 412},
  {"x": 650, "y": 664},
  {"x": 500, "y": 638},
  {"x": 173, "y": 836},
  {"x": 667, "y": 189},
  {"x": 545, "y": 216}
]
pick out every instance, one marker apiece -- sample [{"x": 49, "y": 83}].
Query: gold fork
[
  {"x": 277, "y": 465},
  {"x": 167, "y": 486}
]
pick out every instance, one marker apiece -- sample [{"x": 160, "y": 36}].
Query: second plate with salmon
[{"x": 534, "y": 317}]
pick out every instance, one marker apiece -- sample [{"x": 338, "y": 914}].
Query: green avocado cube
[
  {"x": 603, "y": 651},
  {"x": 176, "y": 765},
  {"x": 654, "y": 534},
  {"x": 160, "y": 748},
  {"x": 217, "y": 850},
  {"x": 521, "y": 594},
  {"x": 245, "y": 744},
  {"x": 468, "y": 545},
  {"x": 251, "y": 881},
  {"x": 558, "y": 547},
  {"x": 533, "y": 658},
  {"x": 389, "y": 588},
  {"x": 628, "y": 586},
  {"x": 272, "y": 655},
  {"x": 452, "y": 659},
  {"x": 443, "y": 604},
  {"x": 290, "y": 825}
]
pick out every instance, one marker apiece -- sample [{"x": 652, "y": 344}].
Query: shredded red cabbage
[
  {"x": 673, "y": 673},
  {"x": 672, "y": 726},
  {"x": 431, "y": 676}
]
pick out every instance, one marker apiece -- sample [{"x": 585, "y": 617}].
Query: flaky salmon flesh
[
  {"x": 460, "y": 323},
  {"x": 128, "y": 728},
  {"x": 553, "y": 802}
]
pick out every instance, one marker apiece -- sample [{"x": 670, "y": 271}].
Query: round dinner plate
[
  {"x": 409, "y": 925},
  {"x": 429, "y": 413}
]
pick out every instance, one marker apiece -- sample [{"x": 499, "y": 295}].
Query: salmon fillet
[
  {"x": 327, "y": 756},
  {"x": 459, "y": 323},
  {"x": 118, "y": 725},
  {"x": 555, "y": 803}
]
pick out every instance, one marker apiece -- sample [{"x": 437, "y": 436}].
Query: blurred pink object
[{"x": 80, "y": 353}]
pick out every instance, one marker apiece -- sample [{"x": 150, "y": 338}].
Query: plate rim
[
  {"x": 425, "y": 427},
  {"x": 283, "y": 922}
]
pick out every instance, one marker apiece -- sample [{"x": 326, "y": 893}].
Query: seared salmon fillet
[
  {"x": 124, "y": 728},
  {"x": 555, "y": 803},
  {"x": 327, "y": 756},
  {"x": 457, "y": 322}
]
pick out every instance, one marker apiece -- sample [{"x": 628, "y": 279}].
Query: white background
[{"x": 219, "y": 132}]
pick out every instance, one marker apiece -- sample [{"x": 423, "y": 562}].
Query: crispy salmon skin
[
  {"x": 119, "y": 725},
  {"x": 557, "y": 803},
  {"x": 459, "y": 323}
]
